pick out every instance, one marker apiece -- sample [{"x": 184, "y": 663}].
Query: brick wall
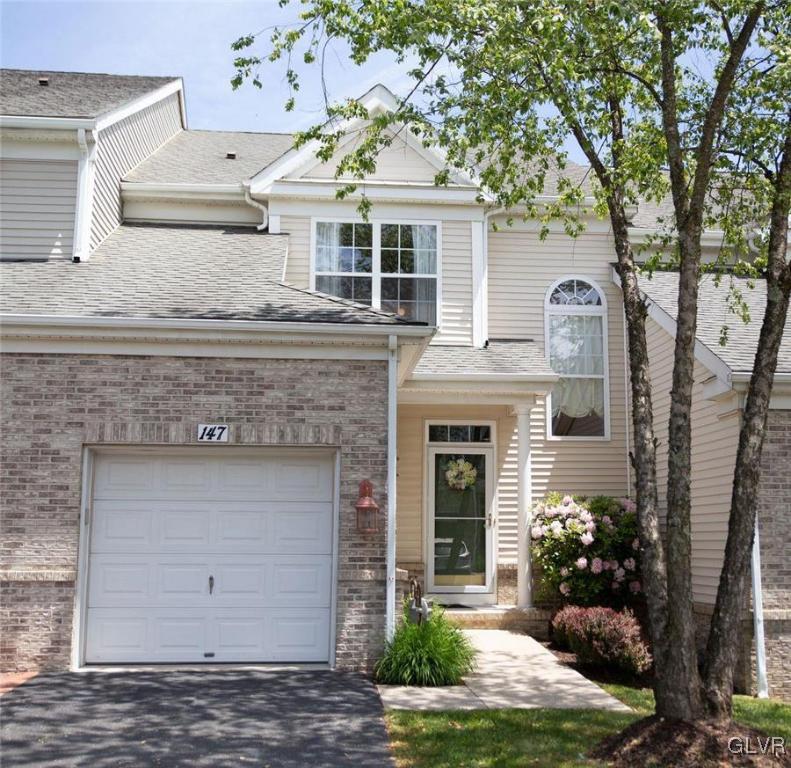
[{"x": 54, "y": 404}]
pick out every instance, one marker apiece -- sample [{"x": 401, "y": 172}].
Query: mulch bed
[
  {"x": 656, "y": 742},
  {"x": 598, "y": 674}
]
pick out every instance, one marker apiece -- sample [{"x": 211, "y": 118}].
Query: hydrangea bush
[{"x": 587, "y": 548}]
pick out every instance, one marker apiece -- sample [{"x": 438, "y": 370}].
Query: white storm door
[
  {"x": 460, "y": 520},
  {"x": 211, "y": 558}
]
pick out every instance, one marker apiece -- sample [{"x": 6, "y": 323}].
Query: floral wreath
[{"x": 460, "y": 474}]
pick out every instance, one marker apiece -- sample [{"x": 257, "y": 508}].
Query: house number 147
[{"x": 212, "y": 433}]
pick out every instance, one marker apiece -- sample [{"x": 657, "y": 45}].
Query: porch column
[{"x": 524, "y": 584}]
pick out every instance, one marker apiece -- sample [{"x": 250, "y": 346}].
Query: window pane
[
  {"x": 438, "y": 433},
  {"x": 389, "y": 235},
  {"x": 389, "y": 262},
  {"x": 426, "y": 262},
  {"x": 578, "y": 408},
  {"x": 459, "y": 433},
  {"x": 407, "y": 262},
  {"x": 406, "y": 237},
  {"x": 326, "y": 259},
  {"x": 353, "y": 288},
  {"x": 363, "y": 235},
  {"x": 576, "y": 344},
  {"x": 346, "y": 261},
  {"x": 412, "y": 298},
  {"x": 347, "y": 234},
  {"x": 481, "y": 434},
  {"x": 362, "y": 260},
  {"x": 575, "y": 293}
]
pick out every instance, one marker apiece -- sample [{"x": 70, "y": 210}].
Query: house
[{"x": 205, "y": 353}]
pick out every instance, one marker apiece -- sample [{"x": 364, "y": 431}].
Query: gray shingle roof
[
  {"x": 166, "y": 271},
  {"x": 70, "y": 94},
  {"x": 199, "y": 157},
  {"x": 500, "y": 357},
  {"x": 714, "y": 314}
]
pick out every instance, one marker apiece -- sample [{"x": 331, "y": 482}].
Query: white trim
[
  {"x": 83, "y": 212},
  {"x": 479, "y": 283},
  {"x": 342, "y": 209},
  {"x": 336, "y": 548},
  {"x": 38, "y": 147},
  {"x": 392, "y": 483},
  {"x": 46, "y": 123},
  {"x": 601, "y": 310},
  {"x": 144, "y": 190},
  {"x": 492, "y": 377},
  {"x": 780, "y": 403},
  {"x": 408, "y": 396},
  {"x": 253, "y": 326},
  {"x": 274, "y": 229},
  {"x": 80, "y": 616},
  {"x": 416, "y": 192},
  {"x": 524, "y": 578},
  {"x": 139, "y": 104},
  {"x": 762, "y": 681}
]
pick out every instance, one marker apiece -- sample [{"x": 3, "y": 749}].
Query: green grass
[{"x": 543, "y": 738}]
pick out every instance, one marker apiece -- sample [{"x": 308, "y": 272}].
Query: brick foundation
[{"x": 54, "y": 405}]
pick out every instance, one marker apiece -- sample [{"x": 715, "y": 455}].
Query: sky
[{"x": 190, "y": 39}]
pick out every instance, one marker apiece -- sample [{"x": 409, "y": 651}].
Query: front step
[{"x": 532, "y": 621}]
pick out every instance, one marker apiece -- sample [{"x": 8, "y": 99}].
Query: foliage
[
  {"x": 600, "y": 636},
  {"x": 433, "y": 653},
  {"x": 588, "y": 549}
]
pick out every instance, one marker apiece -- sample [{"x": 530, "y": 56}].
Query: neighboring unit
[{"x": 221, "y": 282}]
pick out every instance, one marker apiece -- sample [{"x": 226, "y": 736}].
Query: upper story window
[
  {"x": 388, "y": 266},
  {"x": 576, "y": 333}
]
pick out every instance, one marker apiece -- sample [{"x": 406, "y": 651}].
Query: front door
[{"x": 460, "y": 524}]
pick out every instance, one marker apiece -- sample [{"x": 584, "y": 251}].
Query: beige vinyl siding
[
  {"x": 38, "y": 200},
  {"x": 456, "y": 280},
  {"x": 398, "y": 162},
  {"x": 715, "y": 439},
  {"x": 521, "y": 270},
  {"x": 123, "y": 146},
  {"x": 410, "y": 536}
]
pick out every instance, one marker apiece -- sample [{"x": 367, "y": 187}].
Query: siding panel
[
  {"x": 37, "y": 206},
  {"x": 122, "y": 147}
]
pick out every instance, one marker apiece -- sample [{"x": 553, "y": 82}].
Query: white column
[
  {"x": 392, "y": 474},
  {"x": 524, "y": 584}
]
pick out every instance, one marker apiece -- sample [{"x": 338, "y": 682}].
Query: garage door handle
[{"x": 211, "y": 584}]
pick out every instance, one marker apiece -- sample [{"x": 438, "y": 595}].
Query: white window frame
[
  {"x": 578, "y": 309},
  {"x": 376, "y": 273}
]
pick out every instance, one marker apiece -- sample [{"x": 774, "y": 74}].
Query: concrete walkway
[{"x": 513, "y": 671}]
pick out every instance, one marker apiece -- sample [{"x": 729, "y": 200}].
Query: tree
[{"x": 500, "y": 87}]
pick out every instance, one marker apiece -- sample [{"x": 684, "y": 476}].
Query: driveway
[{"x": 269, "y": 719}]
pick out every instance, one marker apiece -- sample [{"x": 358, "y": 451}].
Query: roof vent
[
  {"x": 43, "y": 81},
  {"x": 230, "y": 155}
]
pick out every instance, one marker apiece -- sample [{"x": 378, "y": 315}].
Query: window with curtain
[
  {"x": 387, "y": 266},
  {"x": 575, "y": 318}
]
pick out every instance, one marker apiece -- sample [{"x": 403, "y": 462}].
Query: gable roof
[
  {"x": 714, "y": 313},
  {"x": 180, "y": 272},
  {"x": 71, "y": 94},
  {"x": 501, "y": 358},
  {"x": 199, "y": 157}
]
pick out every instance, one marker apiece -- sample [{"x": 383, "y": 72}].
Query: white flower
[
  {"x": 556, "y": 526},
  {"x": 537, "y": 532},
  {"x": 620, "y": 574},
  {"x": 586, "y": 539}
]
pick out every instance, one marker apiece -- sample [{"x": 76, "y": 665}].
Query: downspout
[
  {"x": 758, "y": 619},
  {"x": 248, "y": 198},
  {"x": 627, "y": 390},
  {"x": 392, "y": 415},
  {"x": 84, "y": 208}
]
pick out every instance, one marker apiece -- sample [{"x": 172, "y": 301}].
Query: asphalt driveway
[{"x": 270, "y": 719}]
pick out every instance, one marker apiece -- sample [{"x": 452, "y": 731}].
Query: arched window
[{"x": 576, "y": 336}]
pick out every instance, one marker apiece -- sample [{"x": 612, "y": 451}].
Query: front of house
[{"x": 205, "y": 352}]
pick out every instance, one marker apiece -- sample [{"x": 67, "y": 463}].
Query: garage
[{"x": 211, "y": 556}]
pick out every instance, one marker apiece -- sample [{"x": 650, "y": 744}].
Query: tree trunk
[
  {"x": 654, "y": 573},
  {"x": 723, "y": 641}
]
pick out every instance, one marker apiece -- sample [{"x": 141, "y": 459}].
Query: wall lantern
[{"x": 367, "y": 509}]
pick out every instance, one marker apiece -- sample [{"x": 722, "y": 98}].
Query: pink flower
[
  {"x": 615, "y": 586},
  {"x": 629, "y": 505},
  {"x": 590, "y": 527},
  {"x": 629, "y": 564},
  {"x": 634, "y": 586},
  {"x": 612, "y": 565},
  {"x": 620, "y": 574},
  {"x": 636, "y": 545},
  {"x": 565, "y": 589},
  {"x": 564, "y": 571},
  {"x": 586, "y": 516},
  {"x": 606, "y": 519},
  {"x": 556, "y": 526},
  {"x": 597, "y": 565},
  {"x": 567, "y": 500},
  {"x": 586, "y": 539},
  {"x": 582, "y": 563},
  {"x": 536, "y": 532}
]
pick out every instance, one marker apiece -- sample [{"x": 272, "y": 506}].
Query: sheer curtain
[{"x": 424, "y": 240}]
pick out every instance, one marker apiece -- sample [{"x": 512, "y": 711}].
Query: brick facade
[{"x": 54, "y": 405}]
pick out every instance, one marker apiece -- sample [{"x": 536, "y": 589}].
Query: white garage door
[{"x": 211, "y": 558}]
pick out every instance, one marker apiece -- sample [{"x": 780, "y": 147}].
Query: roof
[
  {"x": 167, "y": 271},
  {"x": 501, "y": 356},
  {"x": 199, "y": 157},
  {"x": 70, "y": 94},
  {"x": 714, "y": 313}
]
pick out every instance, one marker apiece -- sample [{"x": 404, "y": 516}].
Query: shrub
[
  {"x": 432, "y": 653},
  {"x": 600, "y": 636},
  {"x": 587, "y": 549}
]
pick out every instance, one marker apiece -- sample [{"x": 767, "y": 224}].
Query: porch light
[{"x": 367, "y": 509}]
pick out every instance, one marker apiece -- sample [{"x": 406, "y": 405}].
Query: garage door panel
[
  {"x": 188, "y": 527},
  {"x": 299, "y": 635},
  {"x": 121, "y": 474},
  {"x": 119, "y": 581},
  {"x": 303, "y": 479},
  {"x": 302, "y": 528},
  {"x": 301, "y": 581},
  {"x": 122, "y": 527}
]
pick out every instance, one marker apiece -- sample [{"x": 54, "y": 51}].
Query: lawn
[{"x": 544, "y": 738}]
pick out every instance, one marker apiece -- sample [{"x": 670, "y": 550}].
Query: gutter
[
  {"x": 47, "y": 123},
  {"x": 248, "y": 198},
  {"x": 392, "y": 480},
  {"x": 487, "y": 377},
  {"x": 8, "y": 321},
  {"x": 142, "y": 190}
]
